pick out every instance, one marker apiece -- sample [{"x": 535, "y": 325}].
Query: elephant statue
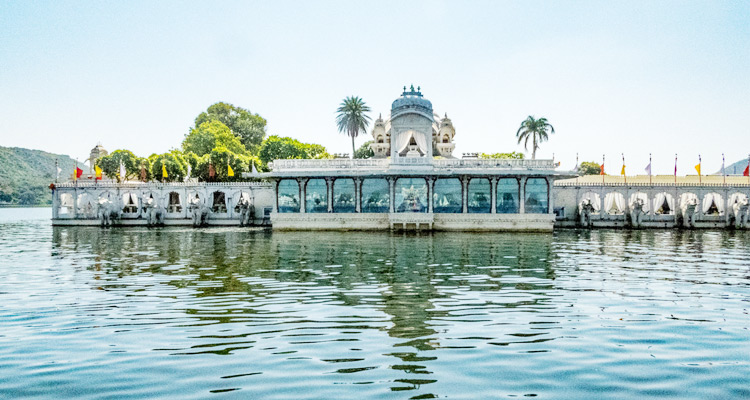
[
  {"x": 108, "y": 212},
  {"x": 739, "y": 211},
  {"x": 636, "y": 212},
  {"x": 247, "y": 211},
  {"x": 154, "y": 213},
  {"x": 585, "y": 209},
  {"x": 689, "y": 213},
  {"x": 198, "y": 211}
]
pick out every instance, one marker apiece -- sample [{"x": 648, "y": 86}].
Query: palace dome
[{"x": 411, "y": 100}]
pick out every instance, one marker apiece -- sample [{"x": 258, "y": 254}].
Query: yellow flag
[
  {"x": 98, "y": 172},
  {"x": 164, "y": 171},
  {"x": 698, "y": 168},
  {"x": 230, "y": 171},
  {"x": 623, "y": 170}
]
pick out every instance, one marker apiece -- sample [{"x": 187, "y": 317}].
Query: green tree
[
  {"x": 365, "y": 151},
  {"x": 505, "y": 156},
  {"x": 175, "y": 163},
  {"x": 210, "y": 135},
  {"x": 537, "y": 130},
  {"x": 221, "y": 158},
  {"x": 352, "y": 118},
  {"x": 280, "y": 148},
  {"x": 248, "y": 127},
  {"x": 110, "y": 164},
  {"x": 589, "y": 168}
]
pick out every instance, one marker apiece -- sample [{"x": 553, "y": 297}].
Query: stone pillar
[
  {"x": 75, "y": 203},
  {"x": 329, "y": 193},
  {"x": 55, "y": 204},
  {"x": 522, "y": 194},
  {"x": 493, "y": 194},
  {"x": 302, "y": 194},
  {"x": 464, "y": 194},
  {"x": 430, "y": 188},
  {"x": 392, "y": 192},
  {"x": 550, "y": 198},
  {"x": 358, "y": 195}
]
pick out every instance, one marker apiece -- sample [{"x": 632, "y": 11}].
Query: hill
[{"x": 25, "y": 175}]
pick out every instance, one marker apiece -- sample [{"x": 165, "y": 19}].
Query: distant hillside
[
  {"x": 25, "y": 175},
  {"x": 735, "y": 169}
]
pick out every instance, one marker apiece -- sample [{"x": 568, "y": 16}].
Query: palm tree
[
  {"x": 352, "y": 117},
  {"x": 535, "y": 129}
]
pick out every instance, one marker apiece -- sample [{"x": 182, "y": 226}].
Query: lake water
[{"x": 226, "y": 313}]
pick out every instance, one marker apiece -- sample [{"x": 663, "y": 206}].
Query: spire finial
[{"x": 412, "y": 87}]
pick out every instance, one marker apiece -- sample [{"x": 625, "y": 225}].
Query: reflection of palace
[{"x": 414, "y": 182}]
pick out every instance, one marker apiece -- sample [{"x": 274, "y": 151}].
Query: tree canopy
[
  {"x": 352, "y": 117},
  {"x": 365, "y": 151},
  {"x": 210, "y": 135},
  {"x": 278, "y": 148},
  {"x": 110, "y": 164},
  {"x": 589, "y": 168},
  {"x": 537, "y": 130},
  {"x": 249, "y": 128},
  {"x": 506, "y": 156}
]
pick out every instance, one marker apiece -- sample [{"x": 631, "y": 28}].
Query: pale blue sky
[{"x": 634, "y": 77}]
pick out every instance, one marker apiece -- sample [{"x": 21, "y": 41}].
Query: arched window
[
  {"x": 537, "y": 196},
  {"x": 614, "y": 203},
  {"x": 316, "y": 196},
  {"x": 447, "y": 196},
  {"x": 175, "y": 203},
  {"x": 507, "y": 196},
  {"x": 343, "y": 195},
  {"x": 375, "y": 197},
  {"x": 219, "y": 203},
  {"x": 479, "y": 199},
  {"x": 411, "y": 195},
  {"x": 288, "y": 196}
]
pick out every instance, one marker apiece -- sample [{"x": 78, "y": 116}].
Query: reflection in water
[{"x": 572, "y": 314}]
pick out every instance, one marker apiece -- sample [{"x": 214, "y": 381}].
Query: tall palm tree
[
  {"x": 535, "y": 129},
  {"x": 352, "y": 117}
]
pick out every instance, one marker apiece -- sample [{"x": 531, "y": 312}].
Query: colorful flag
[
  {"x": 78, "y": 173},
  {"x": 255, "y": 170},
  {"x": 143, "y": 174},
  {"x": 211, "y": 171},
  {"x": 98, "y": 172},
  {"x": 230, "y": 171},
  {"x": 623, "y": 170},
  {"x": 601, "y": 169},
  {"x": 189, "y": 171},
  {"x": 164, "y": 171},
  {"x": 648, "y": 169},
  {"x": 698, "y": 168},
  {"x": 123, "y": 171},
  {"x": 747, "y": 170}
]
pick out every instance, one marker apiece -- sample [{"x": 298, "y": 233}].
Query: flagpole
[
  {"x": 748, "y": 165},
  {"x": 57, "y": 169},
  {"x": 576, "y": 168},
  {"x": 700, "y": 180},
  {"x": 649, "y": 170},
  {"x": 675, "y": 169},
  {"x": 623, "y": 169},
  {"x": 602, "y": 169},
  {"x": 723, "y": 168}
]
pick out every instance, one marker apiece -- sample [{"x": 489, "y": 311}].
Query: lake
[{"x": 185, "y": 313}]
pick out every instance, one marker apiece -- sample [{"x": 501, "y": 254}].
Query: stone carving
[
  {"x": 154, "y": 212},
  {"x": 689, "y": 213},
  {"x": 739, "y": 211},
  {"x": 636, "y": 212},
  {"x": 108, "y": 212},
  {"x": 585, "y": 209},
  {"x": 247, "y": 211},
  {"x": 198, "y": 211}
]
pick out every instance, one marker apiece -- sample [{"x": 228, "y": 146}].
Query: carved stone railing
[
  {"x": 494, "y": 163},
  {"x": 144, "y": 185},
  {"x": 646, "y": 184},
  {"x": 383, "y": 163},
  {"x": 279, "y": 165}
]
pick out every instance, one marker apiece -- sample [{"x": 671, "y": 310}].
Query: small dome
[{"x": 411, "y": 99}]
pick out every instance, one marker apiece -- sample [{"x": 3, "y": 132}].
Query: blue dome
[{"x": 411, "y": 100}]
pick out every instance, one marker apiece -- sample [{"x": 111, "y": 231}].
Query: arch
[
  {"x": 239, "y": 196},
  {"x": 316, "y": 196},
  {"x": 537, "y": 196},
  {"x": 686, "y": 197},
  {"x": 174, "y": 202},
  {"x": 713, "y": 204},
  {"x": 446, "y": 196},
  {"x": 130, "y": 203},
  {"x": 375, "y": 195},
  {"x": 288, "y": 196},
  {"x": 411, "y": 195},
  {"x": 86, "y": 204},
  {"x": 218, "y": 202},
  {"x": 642, "y": 196},
  {"x": 614, "y": 203},
  {"x": 594, "y": 198},
  {"x": 508, "y": 193},
  {"x": 343, "y": 195},
  {"x": 736, "y": 197},
  {"x": 479, "y": 197},
  {"x": 663, "y": 204},
  {"x": 66, "y": 203}
]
